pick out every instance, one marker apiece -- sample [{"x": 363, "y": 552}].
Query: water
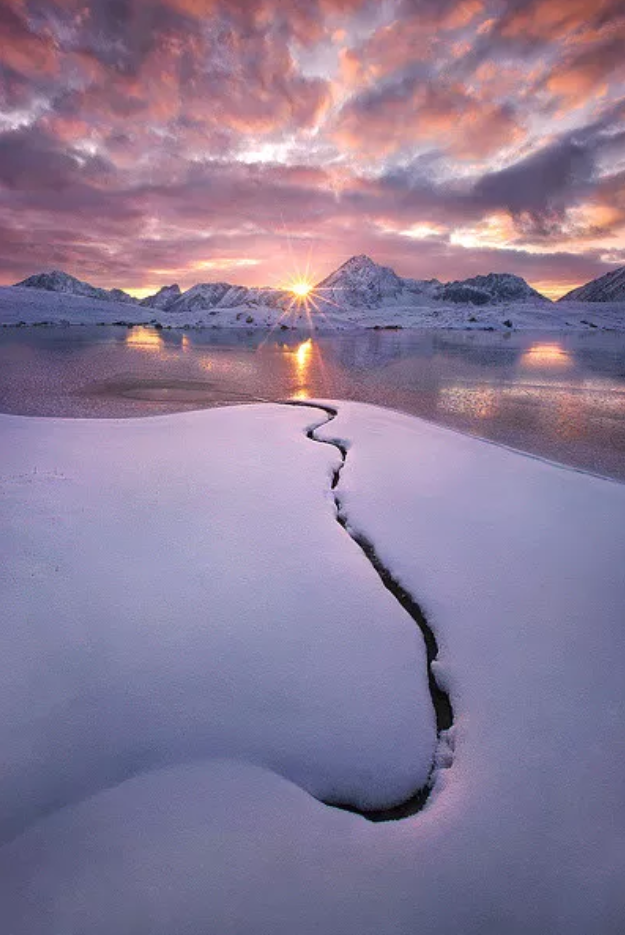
[{"x": 562, "y": 397}]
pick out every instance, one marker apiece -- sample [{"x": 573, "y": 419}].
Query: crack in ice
[{"x": 441, "y": 703}]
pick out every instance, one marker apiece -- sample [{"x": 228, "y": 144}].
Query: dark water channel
[{"x": 562, "y": 397}]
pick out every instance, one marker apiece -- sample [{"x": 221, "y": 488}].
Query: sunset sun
[{"x": 301, "y": 288}]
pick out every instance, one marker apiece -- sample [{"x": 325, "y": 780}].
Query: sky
[{"x": 144, "y": 143}]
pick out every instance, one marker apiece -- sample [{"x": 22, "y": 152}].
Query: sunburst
[
  {"x": 301, "y": 288},
  {"x": 305, "y": 296}
]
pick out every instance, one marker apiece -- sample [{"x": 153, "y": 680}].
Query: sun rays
[{"x": 301, "y": 288}]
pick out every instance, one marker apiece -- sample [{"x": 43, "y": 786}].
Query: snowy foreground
[
  {"x": 25, "y": 306},
  {"x": 194, "y": 652}
]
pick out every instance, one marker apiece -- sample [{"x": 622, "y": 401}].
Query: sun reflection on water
[
  {"x": 145, "y": 338},
  {"x": 551, "y": 354},
  {"x": 300, "y": 359}
]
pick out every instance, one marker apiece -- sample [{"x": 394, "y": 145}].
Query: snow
[
  {"x": 27, "y": 306},
  {"x": 198, "y": 624},
  {"x": 35, "y": 306},
  {"x": 362, "y": 283},
  {"x": 204, "y": 602},
  {"x": 359, "y": 294}
]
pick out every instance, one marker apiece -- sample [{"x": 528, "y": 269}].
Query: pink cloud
[{"x": 139, "y": 136}]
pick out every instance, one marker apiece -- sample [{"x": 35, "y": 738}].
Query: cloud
[
  {"x": 417, "y": 107},
  {"x": 139, "y": 136},
  {"x": 31, "y": 160},
  {"x": 551, "y": 19},
  {"x": 590, "y": 70},
  {"x": 542, "y": 185}
]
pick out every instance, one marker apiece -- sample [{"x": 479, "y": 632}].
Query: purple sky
[{"x": 143, "y": 143}]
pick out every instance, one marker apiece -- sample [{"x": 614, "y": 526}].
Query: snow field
[
  {"x": 178, "y": 588},
  {"x": 197, "y": 613}
]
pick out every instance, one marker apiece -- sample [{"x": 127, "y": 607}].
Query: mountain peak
[
  {"x": 490, "y": 288},
  {"x": 162, "y": 299},
  {"x": 359, "y": 262},
  {"x": 361, "y": 281},
  {"x": 48, "y": 280},
  {"x": 360, "y": 259},
  {"x": 58, "y": 281}
]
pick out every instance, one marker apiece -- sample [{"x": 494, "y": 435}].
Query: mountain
[
  {"x": 213, "y": 295},
  {"x": 162, "y": 299},
  {"x": 608, "y": 288},
  {"x": 58, "y": 281},
  {"x": 491, "y": 289},
  {"x": 360, "y": 282}
]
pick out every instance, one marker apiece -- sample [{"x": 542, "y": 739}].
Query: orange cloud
[
  {"x": 589, "y": 73},
  {"x": 447, "y": 116}
]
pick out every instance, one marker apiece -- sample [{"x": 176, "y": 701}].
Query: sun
[
  {"x": 301, "y": 288},
  {"x": 304, "y": 299}
]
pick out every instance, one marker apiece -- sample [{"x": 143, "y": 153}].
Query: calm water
[{"x": 558, "y": 396}]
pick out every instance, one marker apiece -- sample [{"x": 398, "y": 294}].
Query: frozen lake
[{"x": 559, "y": 396}]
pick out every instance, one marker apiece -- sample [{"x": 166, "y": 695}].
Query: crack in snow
[{"x": 441, "y": 703}]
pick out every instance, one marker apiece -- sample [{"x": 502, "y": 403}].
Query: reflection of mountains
[
  {"x": 482, "y": 350},
  {"x": 375, "y": 349},
  {"x": 358, "y": 352},
  {"x": 213, "y": 337}
]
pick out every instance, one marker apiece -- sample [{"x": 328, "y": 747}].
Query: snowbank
[{"x": 186, "y": 623}]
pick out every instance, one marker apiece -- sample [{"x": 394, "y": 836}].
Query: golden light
[
  {"x": 546, "y": 355},
  {"x": 301, "y": 288},
  {"x": 305, "y": 299},
  {"x": 145, "y": 338},
  {"x": 301, "y": 359},
  {"x": 303, "y": 353}
]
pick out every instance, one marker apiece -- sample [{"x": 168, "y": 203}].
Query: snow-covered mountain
[
  {"x": 213, "y": 295},
  {"x": 362, "y": 283},
  {"x": 608, "y": 288},
  {"x": 486, "y": 290},
  {"x": 58, "y": 281},
  {"x": 162, "y": 299},
  {"x": 359, "y": 283}
]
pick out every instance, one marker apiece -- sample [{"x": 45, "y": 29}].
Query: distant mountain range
[
  {"x": 361, "y": 282},
  {"x": 358, "y": 283},
  {"x": 608, "y": 288}
]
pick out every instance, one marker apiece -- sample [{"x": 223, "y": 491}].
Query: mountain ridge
[
  {"x": 58, "y": 281},
  {"x": 359, "y": 282},
  {"x": 607, "y": 288}
]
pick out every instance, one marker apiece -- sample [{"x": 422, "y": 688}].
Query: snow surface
[
  {"x": 178, "y": 588},
  {"x": 182, "y": 606},
  {"x": 27, "y": 306}
]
